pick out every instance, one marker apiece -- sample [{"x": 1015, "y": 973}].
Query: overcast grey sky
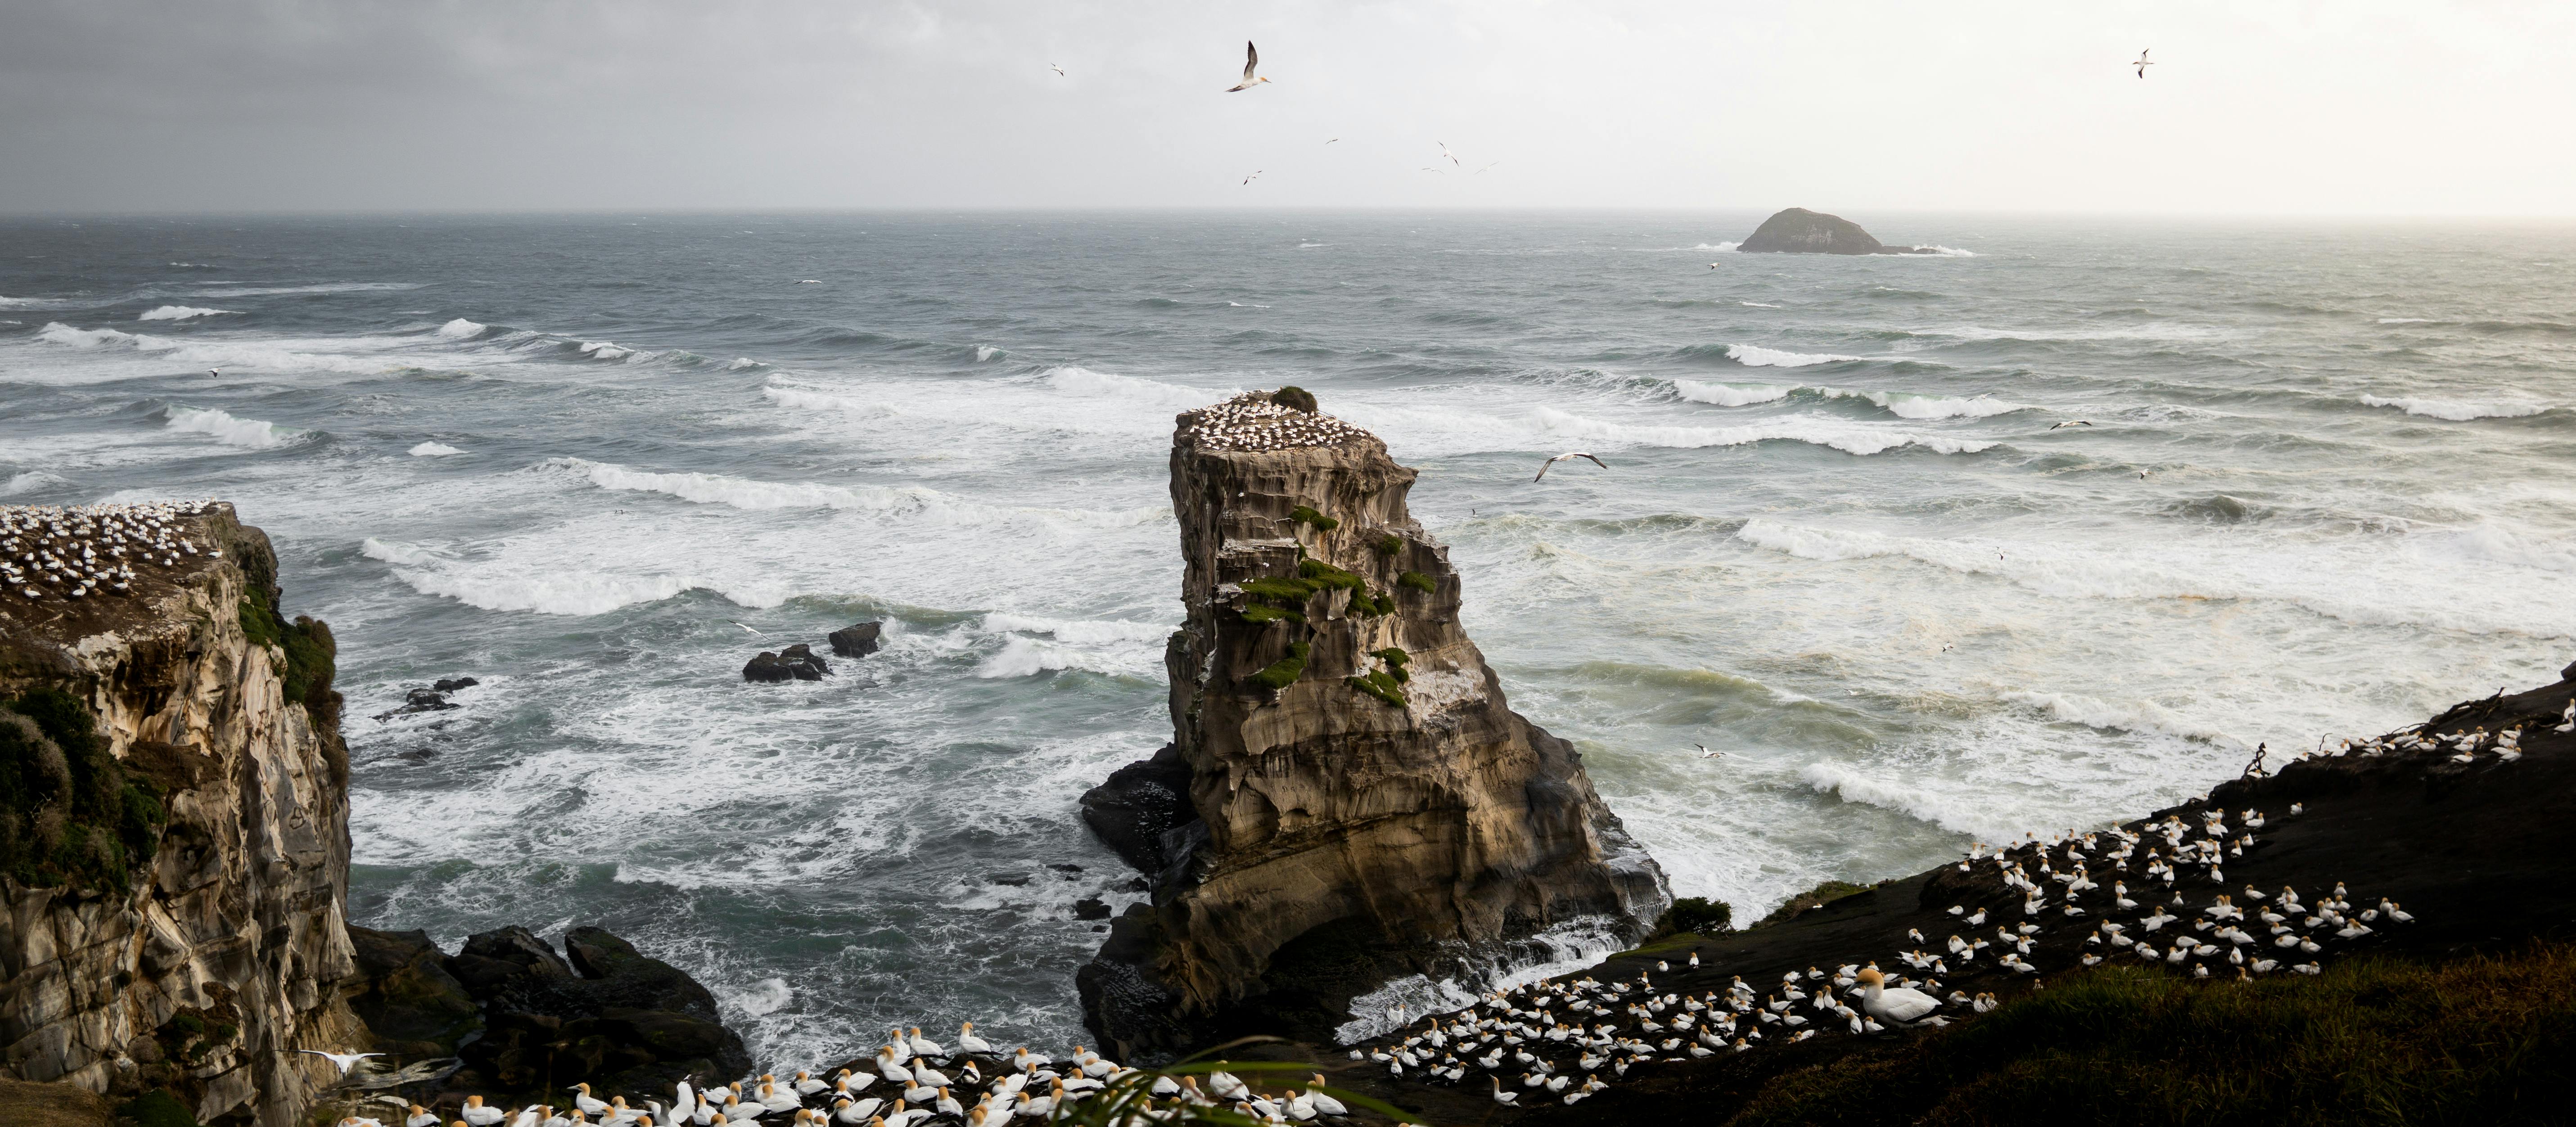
[{"x": 2255, "y": 107}]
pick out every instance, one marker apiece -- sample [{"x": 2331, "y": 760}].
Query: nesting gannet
[
  {"x": 1251, "y": 59},
  {"x": 345, "y": 1061},
  {"x": 1543, "y": 467},
  {"x": 2142, "y": 64}
]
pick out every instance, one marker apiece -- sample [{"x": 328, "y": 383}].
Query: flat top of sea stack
[{"x": 1257, "y": 421}]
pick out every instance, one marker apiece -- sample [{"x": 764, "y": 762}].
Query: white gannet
[
  {"x": 1251, "y": 59},
  {"x": 475, "y": 1114},
  {"x": 1705, "y": 753},
  {"x": 1059, "y": 70},
  {"x": 345, "y": 1061},
  {"x": 1543, "y": 467},
  {"x": 2142, "y": 64},
  {"x": 923, "y": 1045},
  {"x": 967, "y": 1041},
  {"x": 582, "y": 1100},
  {"x": 1453, "y": 157},
  {"x": 1256, "y": 175},
  {"x": 2072, "y": 423}
]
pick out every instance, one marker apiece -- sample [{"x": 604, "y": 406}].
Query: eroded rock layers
[{"x": 1348, "y": 797}]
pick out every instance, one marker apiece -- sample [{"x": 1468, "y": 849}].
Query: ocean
[{"x": 2323, "y": 482}]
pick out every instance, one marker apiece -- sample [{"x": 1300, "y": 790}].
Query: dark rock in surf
[
  {"x": 795, "y": 663},
  {"x": 1091, "y": 908},
  {"x": 1138, "y": 803},
  {"x": 1800, "y": 231},
  {"x": 857, "y": 641},
  {"x": 451, "y": 684},
  {"x": 422, "y": 700}
]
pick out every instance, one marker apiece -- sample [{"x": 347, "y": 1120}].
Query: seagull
[
  {"x": 212, "y": 373},
  {"x": 2072, "y": 423},
  {"x": 747, "y": 628},
  {"x": 1256, "y": 174},
  {"x": 346, "y": 1061},
  {"x": 1542, "y": 469},
  {"x": 1488, "y": 164},
  {"x": 1705, "y": 753},
  {"x": 1444, "y": 151},
  {"x": 1251, "y": 59},
  {"x": 1055, "y": 68},
  {"x": 1334, "y": 139},
  {"x": 2142, "y": 64}
]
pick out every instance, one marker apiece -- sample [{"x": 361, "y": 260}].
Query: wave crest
[
  {"x": 2457, "y": 410},
  {"x": 180, "y": 313}
]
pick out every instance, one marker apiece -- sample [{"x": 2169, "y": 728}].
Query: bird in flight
[
  {"x": 1059, "y": 70},
  {"x": 1488, "y": 164},
  {"x": 2142, "y": 64},
  {"x": 346, "y": 1061},
  {"x": 1705, "y": 753},
  {"x": 1444, "y": 151},
  {"x": 2072, "y": 423},
  {"x": 1542, "y": 469},
  {"x": 1428, "y": 168},
  {"x": 1256, "y": 174},
  {"x": 1334, "y": 139},
  {"x": 1251, "y": 59},
  {"x": 212, "y": 373}
]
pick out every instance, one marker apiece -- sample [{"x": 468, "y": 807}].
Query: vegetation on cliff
[
  {"x": 69, "y": 815},
  {"x": 310, "y": 652}
]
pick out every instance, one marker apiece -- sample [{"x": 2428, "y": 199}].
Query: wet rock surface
[
  {"x": 1800, "y": 231},
  {"x": 858, "y": 640},
  {"x": 795, "y": 663}
]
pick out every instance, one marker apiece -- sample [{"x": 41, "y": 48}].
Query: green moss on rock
[
  {"x": 1387, "y": 545},
  {"x": 1295, "y": 398},
  {"x": 69, "y": 815},
  {"x": 1284, "y": 672},
  {"x": 1306, "y": 514},
  {"x": 1417, "y": 581},
  {"x": 1381, "y": 686}
]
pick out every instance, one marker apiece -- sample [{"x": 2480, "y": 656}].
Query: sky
[{"x": 2254, "y": 107}]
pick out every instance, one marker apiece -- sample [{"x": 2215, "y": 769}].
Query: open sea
[{"x": 2328, "y": 484}]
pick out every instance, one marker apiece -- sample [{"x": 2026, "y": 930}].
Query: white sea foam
[
  {"x": 180, "y": 313},
  {"x": 2405, "y": 320},
  {"x": 740, "y": 363},
  {"x": 253, "y": 434},
  {"x": 1943, "y": 252},
  {"x": 434, "y": 450},
  {"x": 348, "y": 354},
  {"x": 1074, "y": 380},
  {"x": 2458, "y": 410},
  {"x": 807, "y": 399},
  {"x": 29, "y": 482},
  {"x": 1909, "y": 406},
  {"x": 461, "y": 329},
  {"x": 1848, "y": 437},
  {"x": 984, "y": 352},
  {"x": 1758, "y": 304},
  {"x": 1027, "y": 657},
  {"x": 2132, "y": 716},
  {"x": 1730, "y": 395},
  {"x": 1752, "y": 356},
  {"x": 1717, "y": 246},
  {"x": 396, "y": 551},
  {"x": 767, "y": 996},
  {"x": 1968, "y": 816},
  {"x": 1079, "y": 631},
  {"x": 1563, "y": 948},
  {"x": 745, "y": 493},
  {"x": 545, "y": 586},
  {"x": 604, "y": 350}
]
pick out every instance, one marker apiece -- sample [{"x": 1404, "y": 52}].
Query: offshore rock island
[
  {"x": 1347, "y": 798},
  {"x": 1800, "y": 231}
]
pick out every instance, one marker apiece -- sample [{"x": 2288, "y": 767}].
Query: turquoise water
[{"x": 1841, "y": 537}]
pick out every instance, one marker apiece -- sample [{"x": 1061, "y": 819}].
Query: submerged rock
[
  {"x": 451, "y": 684},
  {"x": 422, "y": 700},
  {"x": 857, "y": 641},
  {"x": 795, "y": 663},
  {"x": 1800, "y": 231},
  {"x": 1347, "y": 797}
]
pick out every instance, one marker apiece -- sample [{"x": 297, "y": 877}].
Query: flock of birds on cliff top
[
  {"x": 1020, "y": 1085},
  {"x": 1553, "y": 1040},
  {"x": 1252, "y": 421},
  {"x": 48, "y": 551}
]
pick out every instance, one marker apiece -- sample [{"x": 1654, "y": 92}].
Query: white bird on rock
[{"x": 1543, "y": 467}]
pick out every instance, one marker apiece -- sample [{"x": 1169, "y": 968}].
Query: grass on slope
[{"x": 2479, "y": 1040}]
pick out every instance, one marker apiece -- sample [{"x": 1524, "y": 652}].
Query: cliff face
[
  {"x": 1800, "y": 231},
  {"x": 1360, "y": 801},
  {"x": 222, "y": 953}
]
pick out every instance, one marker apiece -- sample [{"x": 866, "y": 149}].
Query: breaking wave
[
  {"x": 1956, "y": 816},
  {"x": 180, "y": 313},
  {"x": 1755, "y": 357},
  {"x": 434, "y": 450},
  {"x": 1729, "y": 395},
  {"x": 461, "y": 329},
  {"x": 254, "y": 434},
  {"x": 1848, "y": 437},
  {"x": 2458, "y": 410}
]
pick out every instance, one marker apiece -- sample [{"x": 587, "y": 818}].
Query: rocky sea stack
[
  {"x": 1347, "y": 798},
  {"x": 1800, "y": 231}
]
